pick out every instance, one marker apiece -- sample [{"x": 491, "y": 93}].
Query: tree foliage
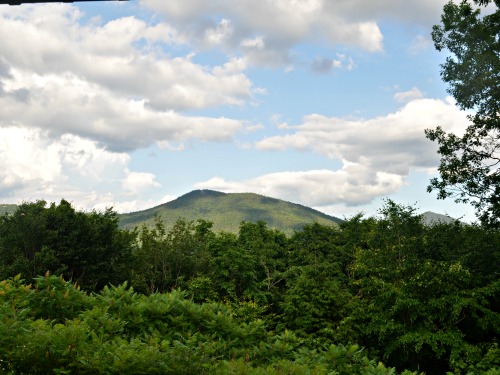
[
  {"x": 469, "y": 167},
  {"x": 118, "y": 331},
  {"x": 87, "y": 248},
  {"x": 414, "y": 297}
]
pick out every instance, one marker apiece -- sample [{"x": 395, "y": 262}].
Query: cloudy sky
[{"x": 131, "y": 104}]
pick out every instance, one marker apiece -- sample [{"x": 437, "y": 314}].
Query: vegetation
[
  {"x": 379, "y": 295},
  {"x": 53, "y": 327},
  {"x": 7, "y": 208},
  {"x": 344, "y": 300},
  {"x": 469, "y": 169},
  {"x": 226, "y": 211},
  {"x": 85, "y": 247}
]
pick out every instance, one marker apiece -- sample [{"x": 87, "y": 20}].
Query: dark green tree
[
  {"x": 469, "y": 167},
  {"x": 86, "y": 247},
  {"x": 22, "y": 237},
  {"x": 268, "y": 249},
  {"x": 170, "y": 260},
  {"x": 429, "y": 300}
]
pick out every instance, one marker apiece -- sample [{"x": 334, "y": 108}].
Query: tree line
[{"x": 415, "y": 297}]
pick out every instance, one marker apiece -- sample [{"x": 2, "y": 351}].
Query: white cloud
[
  {"x": 168, "y": 198},
  {"x": 377, "y": 154},
  {"x": 266, "y": 31},
  {"x": 326, "y": 65},
  {"x": 392, "y": 143},
  {"x": 35, "y": 166},
  {"x": 80, "y": 94},
  {"x": 136, "y": 182},
  {"x": 66, "y": 104},
  {"x": 125, "y": 206},
  {"x": 27, "y": 160},
  {"x": 218, "y": 34},
  {"x": 419, "y": 44},
  {"x": 103, "y": 202},
  {"x": 110, "y": 82},
  {"x": 353, "y": 185},
  {"x": 407, "y": 96},
  {"x": 420, "y": 12}
]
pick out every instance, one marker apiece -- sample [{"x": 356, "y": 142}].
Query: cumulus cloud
[
  {"x": 123, "y": 55},
  {"x": 27, "y": 160},
  {"x": 353, "y": 185},
  {"x": 392, "y": 143},
  {"x": 109, "y": 82},
  {"x": 136, "y": 182},
  {"x": 66, "y": 104},
  {"x": 264, "y": 32},
  {"x": 377, "y": 155},
  {"x": 35, "y": 166},
  {"x": 80, "y": 94},
  {"x": 407, "y": 96},
  {"x": 420, "y": 12},
  {"x": 324, "y": 65},
  {"x": 419, "y": 44}
]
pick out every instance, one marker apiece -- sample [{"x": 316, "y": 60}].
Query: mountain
[
  {"x": 429, "y": 218},
  {"x": 227, "y": 211}
]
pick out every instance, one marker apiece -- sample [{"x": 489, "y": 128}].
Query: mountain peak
[
  {"x": 203, "y": 193},
  {"x": 227, "y": 210},
  {"x": 430, "y": 218}
]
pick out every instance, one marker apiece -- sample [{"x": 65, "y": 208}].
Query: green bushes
[{"x": 118, "y": 331}]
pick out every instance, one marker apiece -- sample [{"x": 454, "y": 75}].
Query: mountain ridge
[{"x": 227, "y": 210}]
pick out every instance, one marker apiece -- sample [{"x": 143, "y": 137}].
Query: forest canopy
[{"x": 386, "y": 289}]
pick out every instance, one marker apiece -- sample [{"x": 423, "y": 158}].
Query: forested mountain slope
[
  {"x": 227, "y": 211},
  {"x": 430, "y": 218}
]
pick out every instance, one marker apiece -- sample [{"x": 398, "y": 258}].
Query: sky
[{"x": 132, "y": 104}]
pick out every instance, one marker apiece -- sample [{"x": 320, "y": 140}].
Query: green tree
[
  {"x": 469, "y": 167},
  {"x": 267, "y": 247},
  {"x": 21, "y": 239},
  {"x": 87, "y": 248},
  {"x": 234, "y": 269},
  {"x": 316, "y": 303},
  {"x": 428, "y": 304},
  {"x": 170, "y": 260},
  {"x": 52, "y": 327}
]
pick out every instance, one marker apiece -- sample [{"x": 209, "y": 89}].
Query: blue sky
[{"x": 131, "y": 104}]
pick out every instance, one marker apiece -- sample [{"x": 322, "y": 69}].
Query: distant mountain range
[{"x": 227, "y": 211}]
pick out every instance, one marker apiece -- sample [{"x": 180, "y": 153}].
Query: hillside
[
  {"x": 227, "y": 211},
  {"x": 430, "y": 218}
]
